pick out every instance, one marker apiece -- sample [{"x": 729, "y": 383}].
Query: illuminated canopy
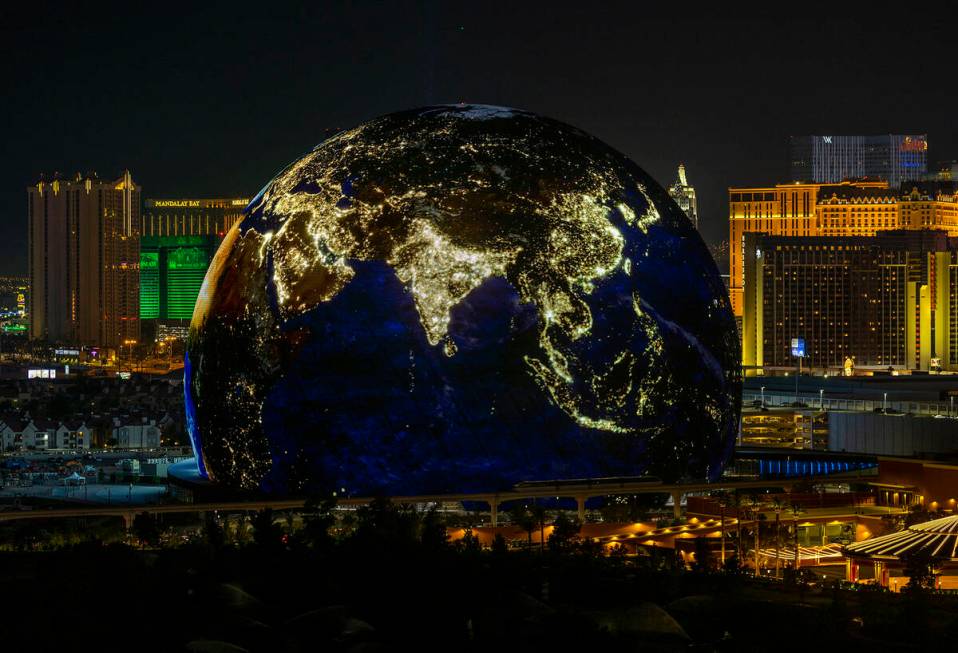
[{"x": 938, "y": 538}]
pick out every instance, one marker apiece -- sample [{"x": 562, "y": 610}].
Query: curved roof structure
[{"x": 938, "y": 537}]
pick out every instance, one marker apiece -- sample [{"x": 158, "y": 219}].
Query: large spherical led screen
[{"x": 457, "y": 299}]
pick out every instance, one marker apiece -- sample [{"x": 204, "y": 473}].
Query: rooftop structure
[
  {"x": 856, "y": 207},
  {"x": 684, "y": 196},
  {"x": 937, "y": 538},
  {"x": 892, "y": 157}
]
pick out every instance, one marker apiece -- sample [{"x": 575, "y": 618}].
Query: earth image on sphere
[{"x": 457, "y": 299}]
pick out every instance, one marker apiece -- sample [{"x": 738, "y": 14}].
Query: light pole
[
  {"x": 821, "y": 399},
  {"x": 798, "y": 373},
  {"x": 884, "y": 404},
  {"x": 763, "y": 396},
  {"x": 129, "y": 342},
  {"x": 951, "y": 410}
]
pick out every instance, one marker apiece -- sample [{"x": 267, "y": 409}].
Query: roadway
[{"x": 581, "y": 491}]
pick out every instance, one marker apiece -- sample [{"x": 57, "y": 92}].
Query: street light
[
  {"x": 821, "y": 399},
  {"x": 884, "y": 403},
  {"x": 129, "y": 342},
  {"x": 763, "y": 396}
]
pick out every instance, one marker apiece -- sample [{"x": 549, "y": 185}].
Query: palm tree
[
  {"x": 777, "y": 506},
  {"x": 521, "y": 517},
  {"x": 737, "y": 502},
  {"x": 723, "y": 501},
  {"x": 760, "y": 519},
  {"x": 796, "y": 510},
  {"x": 755, "y": 505},
  {"x": 539, "y": 516}
]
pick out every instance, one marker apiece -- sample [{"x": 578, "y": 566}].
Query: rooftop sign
[{"x": 218, "y": 203}]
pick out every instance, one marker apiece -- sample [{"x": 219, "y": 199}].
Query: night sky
[{"x": 213, "y": 102}]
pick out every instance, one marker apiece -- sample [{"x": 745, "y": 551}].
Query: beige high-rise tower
[
  {"x": 684, "y": 196},
  {"x": 84, "y": 243}
]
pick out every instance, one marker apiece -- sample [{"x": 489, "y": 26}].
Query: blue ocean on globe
[{"x": 457, "y": 299}]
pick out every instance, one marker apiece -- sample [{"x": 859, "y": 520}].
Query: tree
[
  {"x": 241, "y": 529},
  {"x": 631, "y": 507},
  {"x": 738, "y": 502},
  {"x": 60, "y": 406},
  {"x": 347, "y": 523},
  {"x": 723, "y": 501},
  {"x": 777, "y": 506},
  {"x": 796, "y": 510},
  {"x": 702, "y": 563},
  {"x": 539, "y": 517},
  {"x": 754, "y": 508},
  {"x": 920, "y": 566},
  {"x": 432, "y": 531},
  {"x": 469, "y": 543},
  {"x": 499, "y": 546},
  {"x": 565, "y": 532},
  {"x": 916, "y": 515},
  {"x": 521, "y": 517},
  {"x": 146, "y": 530},
  {"x": 733, "y": 565},
  {"x": 213, "y": 532},
  {"x": 173, "y": 435},
  {"x": 267, "y": 534},
  {"x": 381, "y": 524},
  {"x": 318, "y": 519}
]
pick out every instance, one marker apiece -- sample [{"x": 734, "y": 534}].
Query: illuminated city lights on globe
[{"x": 457, "y": 299}]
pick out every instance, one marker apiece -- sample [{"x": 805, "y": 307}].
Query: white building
[
  {"x": 73, "y": 435},
  {"x": 43, "y": 436},
  {"x": 13, "y": 432},
  {"x": 27, "y": 434},
  {"x": 133, "y": 433}
]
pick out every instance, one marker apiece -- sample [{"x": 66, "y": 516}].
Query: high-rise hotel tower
[
  {"x": 895, "y": 158},
  {"x": 179, "y": 239},
  {"x": 684, "y": 195},
  {"x": 84, "y": 249}
]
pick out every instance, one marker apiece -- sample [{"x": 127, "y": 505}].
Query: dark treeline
[{"x": 387, "y": 577}]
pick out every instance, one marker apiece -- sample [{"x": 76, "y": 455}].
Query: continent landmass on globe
[{"x": 455, "y": 299}]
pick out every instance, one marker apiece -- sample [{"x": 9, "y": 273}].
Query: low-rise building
[
  {"x": 13, "y": 432},
  {"x": 73, "y": 435},
  {"x": 44, "y": 435},
  {"x": 136, "y": 433},
  {"x": 18, "y": 433}
]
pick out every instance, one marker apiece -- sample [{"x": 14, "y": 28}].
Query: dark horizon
[{"x": 215, "y": 101}]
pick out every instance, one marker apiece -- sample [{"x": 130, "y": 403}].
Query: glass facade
[
  {"x": 149, "y": 285},
  {"x": 180, "y": 237},
  {"x": 172, "y": 269},
  {"x": 896, "y": 158}
]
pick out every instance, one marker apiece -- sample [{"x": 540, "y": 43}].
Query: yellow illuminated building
[
  {"x": 780, "y": 210},
  {"x": 851, "y": 208},
  {"x": 884, "y": 302}
]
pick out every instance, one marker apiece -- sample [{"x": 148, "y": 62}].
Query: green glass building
[
  {"x": 177, "y": 244},
  {"x": 171, "y": 273}
]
